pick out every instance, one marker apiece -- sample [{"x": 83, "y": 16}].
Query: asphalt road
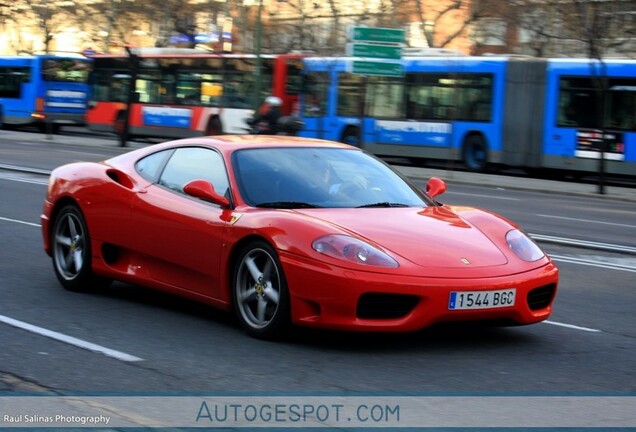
[{"x": 588, "y": 345}]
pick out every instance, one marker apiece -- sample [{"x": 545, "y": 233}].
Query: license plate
[{"x": 461, "y": 300}]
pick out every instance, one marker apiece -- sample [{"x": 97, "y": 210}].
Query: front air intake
[
  {"x": 541, "y": 297},
  {"x": 385, "y": 306}
]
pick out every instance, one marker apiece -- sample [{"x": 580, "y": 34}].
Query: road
[{"x": 129, "y": 339}]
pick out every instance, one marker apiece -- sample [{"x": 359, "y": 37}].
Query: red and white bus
[{"x": 187, "y": 92}]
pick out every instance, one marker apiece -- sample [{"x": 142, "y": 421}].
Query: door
[{"x": 180, "y": 236}]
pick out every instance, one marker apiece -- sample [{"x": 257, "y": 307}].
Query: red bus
[{"x": 183, "y": 92}]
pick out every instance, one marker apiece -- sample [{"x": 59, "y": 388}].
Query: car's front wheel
[
  {"x": 71, "y": 252},
  {"x": 259, "y": 291}
]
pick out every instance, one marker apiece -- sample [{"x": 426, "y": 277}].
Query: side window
[
  {"x": 195, "y": 163},
  {"x": 150, "y": 166}
]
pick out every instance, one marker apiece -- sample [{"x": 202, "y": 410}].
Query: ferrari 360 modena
[{"x": 290, "y": 231}]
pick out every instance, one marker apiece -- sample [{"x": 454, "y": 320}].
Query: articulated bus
[
  {"x": 482, "y": 111},
  {"x": 183, "y": 92},
  {"x": 35, "y": 90}
]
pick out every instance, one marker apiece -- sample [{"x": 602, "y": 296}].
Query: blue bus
[
  {"x": 36, "y": 90},
  {"x": 482, "y": 111}
]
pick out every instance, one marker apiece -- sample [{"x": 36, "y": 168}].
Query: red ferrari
[{"x": 286, "y": 230}]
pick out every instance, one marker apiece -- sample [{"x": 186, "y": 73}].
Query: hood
[{"x": 432, "y": 237}]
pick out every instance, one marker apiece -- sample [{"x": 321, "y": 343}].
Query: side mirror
[
  {"x": 435, "y": 186},
  {"x": 204, "y": 190}
]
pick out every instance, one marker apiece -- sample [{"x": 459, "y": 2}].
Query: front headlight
[
  {"x": 523, "y": 246},
  {"x": 350, "y": 249}
]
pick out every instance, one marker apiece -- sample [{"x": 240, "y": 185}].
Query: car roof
[
  {"x": 236, "y": 142},
  {"x": 227, "y": 144}
]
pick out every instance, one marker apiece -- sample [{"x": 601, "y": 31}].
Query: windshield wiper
[
  {"x": 287, "y": 204},
  {"x": 383, "y": 204}
]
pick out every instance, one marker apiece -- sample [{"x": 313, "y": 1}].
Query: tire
[
  {"x": 351, "y": 136},
  {"x": 475, "y": 153},
  {"x": 259, "y": 292},
  {"x": 214, "y": 127},
  {"x": 71, "y": 252}
]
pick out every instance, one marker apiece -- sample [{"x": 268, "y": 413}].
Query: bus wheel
[
  {"x": 475, "y": 153},
  {"x": 214, "y": 127},
  {"x": 351, "y": 136}
]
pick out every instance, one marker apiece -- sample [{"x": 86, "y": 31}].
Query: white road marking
[
  {"x": 587, "y": 221},
  {"x": 70, "y": 340},
  {"x": 24, "y": 179},
  {"x": 20, "y": 222},
  {"x": 591, "y": 263},
  {"x": 587, "y": 329},
  {"x": 483, "y": 196}
]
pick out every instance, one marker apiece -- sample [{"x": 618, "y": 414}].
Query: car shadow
[
  {"x": 441, "y": 337},
  {"x": 446, "y": 336}
]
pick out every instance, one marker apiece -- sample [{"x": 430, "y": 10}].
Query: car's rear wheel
[
  {"x": 71, "y": 252},
  {"x": 261, "y": 298}
]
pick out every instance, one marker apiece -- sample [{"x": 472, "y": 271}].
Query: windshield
[{"x": 310, "y": 177}]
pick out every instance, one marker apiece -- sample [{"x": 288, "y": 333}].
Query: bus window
[
  {"x": 578, "y": 103},
  {"x": 621, "y": 102},
  {"x": 241, "y": 72},
  {"x": 314, "y": 93},
  {"x": 11, "y": 80},
  {"x": 65, "y": 70},
  {"x": 350, "y": 89},
  {"x": 385, "y": 97},
  {"x": 449, "y": 96},
  {"x": 294, "y": 77}
]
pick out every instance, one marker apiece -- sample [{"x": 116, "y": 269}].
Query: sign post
[
  {"x": 376, "y": 52},
  {"x": 379, "y": 50}
]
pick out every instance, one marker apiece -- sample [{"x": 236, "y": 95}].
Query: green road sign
[
  {"x": 389, "y": 52},
  {"x": 377, "y": 68},
  {"x": 376, "y": 34}
]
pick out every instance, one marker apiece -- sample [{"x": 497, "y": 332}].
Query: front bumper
[{"x": 330, "y": 297}]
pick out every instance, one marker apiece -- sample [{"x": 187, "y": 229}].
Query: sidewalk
[{"x": 417, "y": 173}]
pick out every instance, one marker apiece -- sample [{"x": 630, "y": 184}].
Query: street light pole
[{"x": 258, "y": 36}]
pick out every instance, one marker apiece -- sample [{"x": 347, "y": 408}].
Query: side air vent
[{"x": 120, "y": 178}]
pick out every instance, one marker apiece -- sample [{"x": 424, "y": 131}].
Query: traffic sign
[
  {"x": 390, "y": 52},
  {"x": 377, "y": 68},
  {"x": 377, "y": 34}
]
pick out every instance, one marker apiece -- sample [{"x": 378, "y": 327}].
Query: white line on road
[
  {"x": 587, "y": 220},
  {"x": 70, "y": 340},
  {"x": 24, "y": 179},
  {"x": 587, "y": 329},
  {"x": 483, "y": 196},
  {"x": 587, "y": 262},
  {"x": 20, "y": 222}
]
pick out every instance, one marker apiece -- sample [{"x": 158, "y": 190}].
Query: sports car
[{"x": 291, "y": 231}]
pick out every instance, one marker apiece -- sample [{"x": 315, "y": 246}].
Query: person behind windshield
[
  {"x": 266, "y": 120},
  {"x": 330, "y": 182}
]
